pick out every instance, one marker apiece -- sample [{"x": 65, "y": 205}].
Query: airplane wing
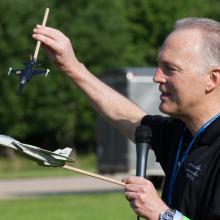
[
  {"x": 13, "y": 71},
  {"x": 38, "y": 72}
]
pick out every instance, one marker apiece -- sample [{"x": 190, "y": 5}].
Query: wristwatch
[{"x": 167, "y": 215}]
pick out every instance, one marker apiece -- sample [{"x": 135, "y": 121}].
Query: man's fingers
[
  {"x": 137, "y": 184},
  {"x": 133, "y": 187},
  {"x": 135, "y": 180},
  {"x": 130, "y": 196},
  {"x": 46, "y": 40},
  {"x": 48, "y": 31}
]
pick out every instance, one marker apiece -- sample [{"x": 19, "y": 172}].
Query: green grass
[
  {"x": 106, "y": 206},
  {"x": 24, "y": 168}
]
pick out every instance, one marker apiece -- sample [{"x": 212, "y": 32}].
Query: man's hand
[
  {"x": 58, "y": 47},
  {"x": 143, "y": 197},
  {"x": 124, "y": 114}
]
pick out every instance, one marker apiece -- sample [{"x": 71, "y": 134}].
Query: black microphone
[{"x": 143, "y": 138}]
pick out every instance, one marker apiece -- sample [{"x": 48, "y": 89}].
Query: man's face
[{"x": 181, "y": 73}]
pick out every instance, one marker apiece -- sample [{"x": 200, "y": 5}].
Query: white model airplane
[{"x": 41, "y": 156}]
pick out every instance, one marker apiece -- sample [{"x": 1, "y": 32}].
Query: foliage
[{"x": 105, "y": 34}]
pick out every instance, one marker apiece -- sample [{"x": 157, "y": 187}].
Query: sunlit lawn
[
  {"x": 93, "y": 206},
  {"x": 105, "y": 206}
]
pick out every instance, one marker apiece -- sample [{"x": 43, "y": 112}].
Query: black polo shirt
[{"x": 197, "y": 187}]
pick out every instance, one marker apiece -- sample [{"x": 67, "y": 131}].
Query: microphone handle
[
  {"x": 142, "y": 150},
  {"x": 141, "y": 161}
]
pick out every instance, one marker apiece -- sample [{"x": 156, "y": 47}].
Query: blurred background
[{"x": 106, "y": 34}]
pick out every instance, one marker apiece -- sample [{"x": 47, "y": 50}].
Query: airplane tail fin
[{"x": 63, "y": 152}]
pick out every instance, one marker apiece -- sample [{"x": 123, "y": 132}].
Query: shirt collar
[{"x": 210, "y": 134}]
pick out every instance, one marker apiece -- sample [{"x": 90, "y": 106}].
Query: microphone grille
[{"x": 143, "y": 134}]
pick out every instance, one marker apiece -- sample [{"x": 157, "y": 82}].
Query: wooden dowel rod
[
  {"x": 94, "y": 175},
  {"x": 38, "y": 42}
]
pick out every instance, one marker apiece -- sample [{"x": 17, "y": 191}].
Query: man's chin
[
  {"x": 167, "y": 111},
  {"x": 163, "y": 109}
]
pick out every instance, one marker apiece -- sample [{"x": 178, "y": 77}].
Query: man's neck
[{"x": 196, "y": 122}]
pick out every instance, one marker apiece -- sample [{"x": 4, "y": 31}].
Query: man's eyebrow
[
  {"x": 167, "y": 63},
  {"x": 164, "y": 61}
]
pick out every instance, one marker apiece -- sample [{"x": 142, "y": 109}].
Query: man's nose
[{"x": 159, "y": 76}]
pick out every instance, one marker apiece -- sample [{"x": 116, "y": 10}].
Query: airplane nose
[{"x": 23, "y": 81}]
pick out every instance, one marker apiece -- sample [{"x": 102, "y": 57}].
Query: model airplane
[
  {"x": 41, "y": 156},
  {"x": 30, "y": 70}
]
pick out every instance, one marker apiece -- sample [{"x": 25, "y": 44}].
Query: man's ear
[{"x": 213, "y": 79}]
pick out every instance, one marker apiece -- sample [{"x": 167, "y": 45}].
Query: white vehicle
[{"x": 41, "y": 156}]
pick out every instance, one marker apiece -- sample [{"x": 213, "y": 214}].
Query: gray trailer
[{"x": 115, "y": 153}]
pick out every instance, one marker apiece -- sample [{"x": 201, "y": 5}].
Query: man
[{"x": 187, "y": 144}]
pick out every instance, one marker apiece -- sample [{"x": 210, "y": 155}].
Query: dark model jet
[
  {"x": 28, "y": 72},
  {"x": 29, "y": 69}
]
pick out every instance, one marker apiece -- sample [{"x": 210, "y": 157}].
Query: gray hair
[{"x": 210, "y": 30}]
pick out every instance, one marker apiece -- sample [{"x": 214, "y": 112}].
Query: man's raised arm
[{"x": 121, "y": 112}]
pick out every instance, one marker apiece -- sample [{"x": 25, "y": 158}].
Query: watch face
[{"x": 168, "y": 215}]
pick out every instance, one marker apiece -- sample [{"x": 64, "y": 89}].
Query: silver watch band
[{"x": 167, "y": 215}]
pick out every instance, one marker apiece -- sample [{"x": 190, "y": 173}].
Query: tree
[
  {"x": 105, "y": 34},
  {"x": 52, "y": 110}
]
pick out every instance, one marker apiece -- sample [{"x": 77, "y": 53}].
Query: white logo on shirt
[{"x": 192, "y": 171}]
